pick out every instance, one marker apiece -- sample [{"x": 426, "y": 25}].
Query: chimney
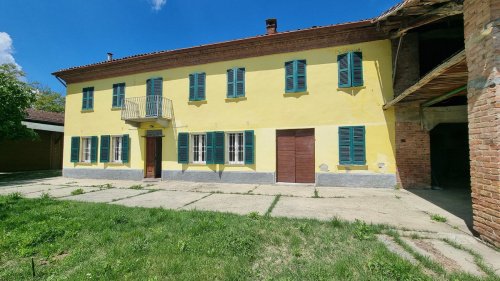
[
  {"x": 271, "y": 26},
  {"x": 110, "y": 56}
]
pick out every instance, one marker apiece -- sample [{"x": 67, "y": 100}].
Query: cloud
[
  {"x": 158, "y": 4},
  {"x": 6, "y": 49}
]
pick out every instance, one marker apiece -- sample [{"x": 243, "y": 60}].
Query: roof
[
  {"x": 280, "y": 42},
  {"x": 41, "y": 116}
]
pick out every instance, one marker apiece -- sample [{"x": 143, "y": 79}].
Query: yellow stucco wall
[{"x": 264, "y": 109}]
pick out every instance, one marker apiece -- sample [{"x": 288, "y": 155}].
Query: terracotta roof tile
[{"x": 44, "y": 116}]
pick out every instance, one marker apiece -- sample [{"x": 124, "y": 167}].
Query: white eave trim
[{"x": 43, "y": 127}]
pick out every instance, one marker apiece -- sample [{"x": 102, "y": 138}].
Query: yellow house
[{"x": 300, "y": 106}]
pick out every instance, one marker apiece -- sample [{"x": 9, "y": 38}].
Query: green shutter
[
  {"x": 115, "y": 95},
  {"x": 149, "y": 87},
  {"x": 356, "y": 69},
  {"x": 200, "y": 86},
  {"x": 93, "y": 149},
  {"x": 84, "y": 98},
  {"x": 240, "y": 82},
  {"x": 289, "y": 79},
  {"x": 358, "y": 145},
  {"x": 192, "y": 96},
  {"x": 90, "y": 98},
  {"x": 105, "y": 149},
  {"x": 158, "y": 86},
  {"x": 219, "y": 148},
  {"x": 210, "y": 148},
  {"x": 183, "y": 148},
  {"x": 125, "y": 148},
  {"x": 75, "y": 149},
  {"x": 343, "y": 62},
  {"x": 345, "y": 145},
  {"x": 300, "y": 76},
  {"x": 121, "y": 97},
  {"x": 249, "y": 147},
  {"x": 230, "y": 83}
]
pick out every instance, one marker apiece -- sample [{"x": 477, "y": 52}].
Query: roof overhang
[
  {"x": 43, "y": 127},
  {"x": 282, "y": 42},
  {"x": 447, "y": 79}
]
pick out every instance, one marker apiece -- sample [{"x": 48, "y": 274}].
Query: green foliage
[
  {"x": 15, "y": 196},
  {"x": 45, "y": 195},
  {"x": 48, "y": 100},
  {"x": 15, "y": 97},
  {"x": 136, "y": 186},
  {"x": 438, "y": 218},
  {"x": 363, "y": 231},
  {"x": 77, "y": 191}
]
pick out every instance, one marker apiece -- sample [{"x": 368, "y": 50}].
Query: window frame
[
  {"x": 201, "y": 142},
  {"x": 113, "y": 147},
  {"x": 196, "y": 86},
  {"x": 88, "y": 98},
  {"x": 295, "y": 76},
  {"x": 234, "y": 84},
  {"x": 85, "y": 141},
  {"x": 237, "y": 148},
  {"x": 120, "y": 95}
]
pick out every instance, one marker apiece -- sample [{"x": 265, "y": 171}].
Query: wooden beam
[
  {"x": 444, "y": 96},
  {"x": 440, "y": 69},
  {"x": 444, "y": 11}
]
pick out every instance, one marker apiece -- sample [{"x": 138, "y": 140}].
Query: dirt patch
[{"x": 447, "y": 263}]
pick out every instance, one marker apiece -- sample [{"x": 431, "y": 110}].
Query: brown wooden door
[
  {"x": 295, "y": 156},
  {"x": 150, "y": 157}
]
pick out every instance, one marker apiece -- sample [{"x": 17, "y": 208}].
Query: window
[
  {"x": 86, "y": 149},
  {"x": 235, "y": 151},
  {"x": 116, "y": 149},
  {"x": 235, "y": 82},
  {"x": 197, "y": 86},
  {"x": 352, "y": 145},
  {"x": 88, "y": 98},
  {"x": 199, "y": 148},
  {"x": 295, "y": 72},
  {"x": 350, "y": 69},
  {"x": 118, "y": 94}
]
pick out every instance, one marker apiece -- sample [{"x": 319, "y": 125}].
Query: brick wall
[
  {"x": 412, "y": 142},
  {"x": 481, "y": 43}
]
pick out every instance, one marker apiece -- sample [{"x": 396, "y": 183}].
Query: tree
[
  {"x": 15, "y": 97},
  {"x": 48, "y": 100}
]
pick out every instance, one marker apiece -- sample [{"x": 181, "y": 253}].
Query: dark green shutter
[
  {"x": 200, "y": 86},
  {"x": 345, "y": 145},
  {"x": 357, "y": 69},
  {"x": 219, "y": 148},
  {"x": 158, "y": 86},
  {"x": 249, "y": 147},
  {"x": 149, "y": 87},
  {"x": 300, "y": 76},
  {"x": 240, "y": 82},
  {"x": 84, "y": 98},
  {"x": 105, "y": 149},
  {"x": 125, "y": 148},
  {"x": 183, "y": 148},
  {"x": 192, "y": 87},
  {"x": 230, "y": 83},
  {"x": 289, "y": 81},
  {"x": 115, "y": 95},
  {"x": 90, "y": 98},
  {"x": 358, "y": 145},
  {"x": 210, "y": 148},
  {"x": 93, "y": 149},
  {"x": 75, "y": 149},
  {"x": 343, "y": 62}
]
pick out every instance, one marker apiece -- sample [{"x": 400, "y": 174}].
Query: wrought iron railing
[{"x": 146, "y": 107}]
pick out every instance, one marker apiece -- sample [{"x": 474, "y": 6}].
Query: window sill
[
  {"x": 197, "y": 102},
  {"x": 87, "y": 110},
  {"x": 236, "y": 99},
  {"x": 352, "y": 167},
  {"x": 85, "y": 163},
  {"x": 235, "y": 164},
  {"x": 116, "y": 108},
  {"x": 197, "y": 164},
  {"x": 296, "y": 94},
  {"x": 114, "y": 163},
  {"x": 352, "y": 87}
]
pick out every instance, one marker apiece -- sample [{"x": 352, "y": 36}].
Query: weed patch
[{"x": 77, "y": 191}]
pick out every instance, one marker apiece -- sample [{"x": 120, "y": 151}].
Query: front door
[
  {"x": 153, "y": 157},
  {"x": 295, "y": 156}
]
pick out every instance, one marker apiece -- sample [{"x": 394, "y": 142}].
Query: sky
[{"x": 43, "y": 36}]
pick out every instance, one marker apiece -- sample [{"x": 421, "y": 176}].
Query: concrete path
[{"x": 449, "y": 243}]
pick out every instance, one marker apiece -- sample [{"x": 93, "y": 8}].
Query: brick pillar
[
  {"x": 481, "y": 20},
  {"x": 413, "y": 156}
]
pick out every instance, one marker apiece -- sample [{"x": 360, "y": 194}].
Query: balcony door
[{"x": 154, "y": 97}]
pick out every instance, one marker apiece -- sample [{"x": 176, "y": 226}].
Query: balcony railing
[{"x": 143, "y": 109}]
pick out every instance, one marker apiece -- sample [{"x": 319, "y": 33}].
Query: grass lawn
[{"x": 85, "y": 241}]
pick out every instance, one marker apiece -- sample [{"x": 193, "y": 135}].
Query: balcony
[{"x": 147, "y": 109}]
